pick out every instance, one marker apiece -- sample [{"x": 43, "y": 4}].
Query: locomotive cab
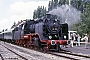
[{"x": 29, "y": 27}]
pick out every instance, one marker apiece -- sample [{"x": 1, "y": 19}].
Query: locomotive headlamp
[
  {"x": 64, "y": 36},
  {"x": 54, "y": 23},
  {"x": 50, "y": 37},
  {"x": 56, "y": 36},
  {"x": 55, "y": 19},
  {"x": 52, "y": 28}
]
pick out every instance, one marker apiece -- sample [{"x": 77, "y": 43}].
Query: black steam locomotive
[{"x": 47, "y": 33}]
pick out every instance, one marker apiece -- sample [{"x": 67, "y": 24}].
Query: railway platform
[
  {"x": 78, "y": 49},
  {"x": 5, "y": 54}
]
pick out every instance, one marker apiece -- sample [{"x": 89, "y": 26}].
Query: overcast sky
[{"x": 16, "y": 10}]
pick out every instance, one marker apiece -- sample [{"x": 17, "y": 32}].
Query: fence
[{"x": 80, "y": 42}]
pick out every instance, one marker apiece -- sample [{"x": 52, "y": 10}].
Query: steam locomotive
[{"x": 46, "y": 33}]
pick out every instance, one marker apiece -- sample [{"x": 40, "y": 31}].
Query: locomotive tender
[{"x": 45, "y": 33}]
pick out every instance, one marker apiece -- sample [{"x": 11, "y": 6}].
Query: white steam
[{"x": 67, "y": 13}]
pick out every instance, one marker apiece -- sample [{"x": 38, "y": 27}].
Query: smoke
[{"x": 67, "y": 13}]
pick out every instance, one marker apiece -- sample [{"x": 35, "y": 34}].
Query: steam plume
[{"x": 67, "y": 13}]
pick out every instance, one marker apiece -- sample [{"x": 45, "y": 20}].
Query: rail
[{"x": 14, "y": 53}]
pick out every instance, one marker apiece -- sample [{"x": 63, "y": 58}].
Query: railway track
[
  {"x": 16, "y": 53},
  {"x": 71, "y": 56},
  {"x": 81, "y": 55},
  {"x": 1, "y": 57},
  {"x": 33, "y": 54},
  {"x": 64, "y": 54},
  {"x": 15, "y": 56}
]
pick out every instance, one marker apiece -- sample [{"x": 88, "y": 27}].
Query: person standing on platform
[
  {"x": 72, "y": 38},
  {"x": 78, "y": 39},
  {"x": 86, "y": 40}
]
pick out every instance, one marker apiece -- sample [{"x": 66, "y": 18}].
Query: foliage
[
  {"x": 52, "y": 4},
  {"x": 84, "y": 25},
  {"x": 63, "y": 2},
  {"x": 41, "y": 11},
  {"x": 79, "y": 4}
]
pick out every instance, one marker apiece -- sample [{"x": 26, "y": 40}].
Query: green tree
[
  {"x": 61, "y": 2},
  {"x": 51, "y": 5},
  {"x": 41, "y": 11},
  {"x": 79, "y": 4},
  {"x": 84, "y": 25},
  {"x": 55, "y": 3}
]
